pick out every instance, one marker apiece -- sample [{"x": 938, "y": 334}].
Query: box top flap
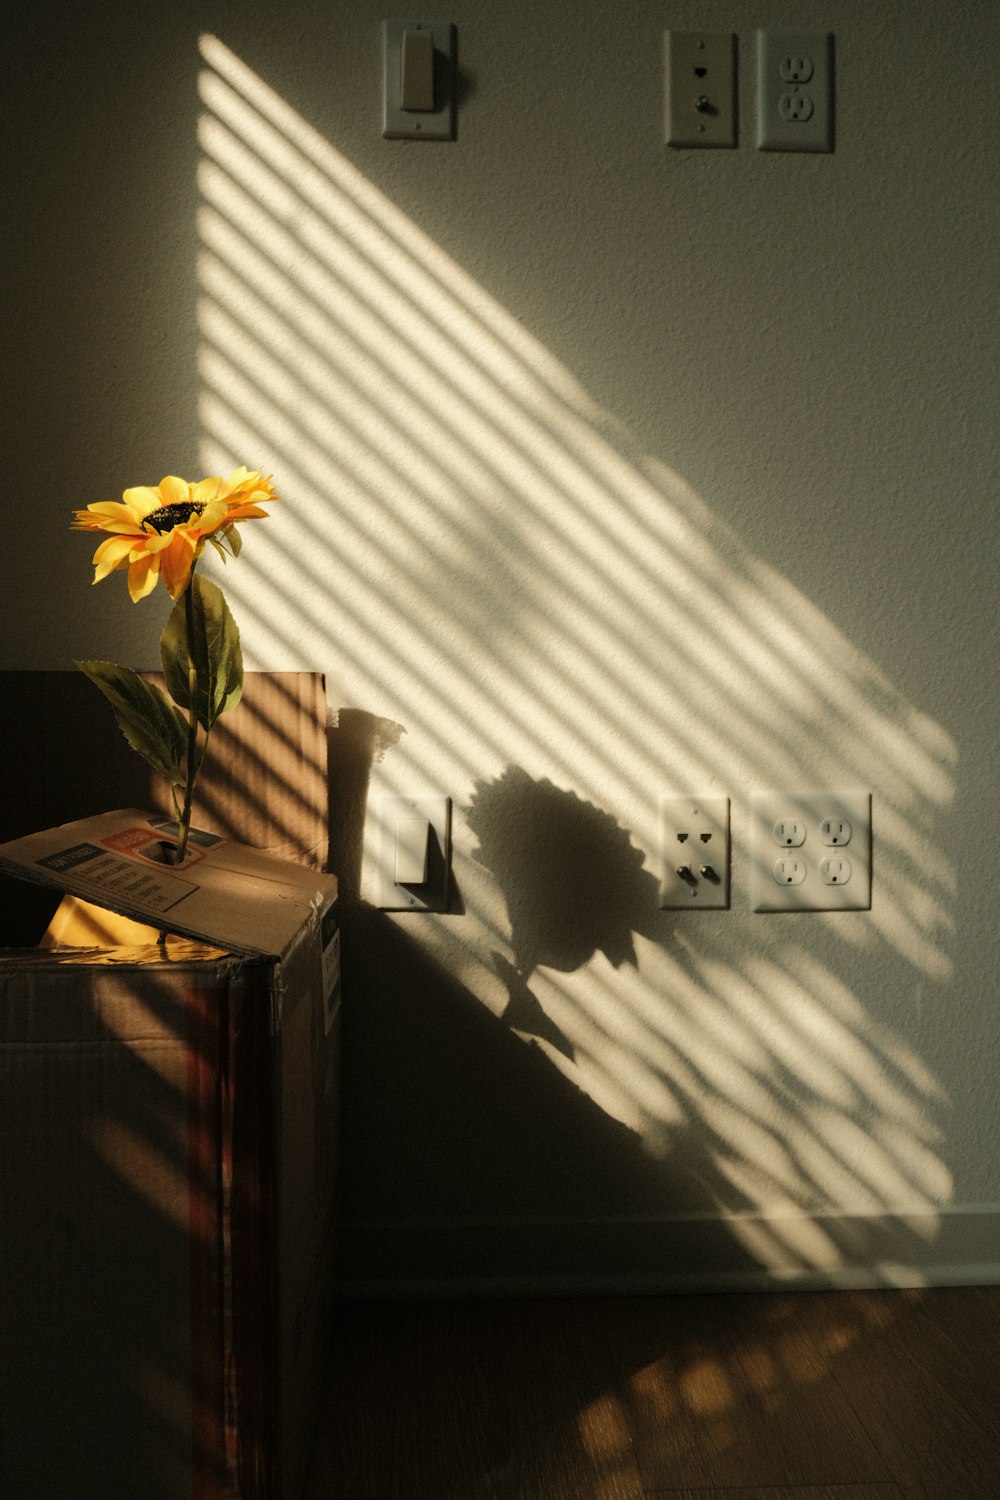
[{"x": 224, "y": 893}]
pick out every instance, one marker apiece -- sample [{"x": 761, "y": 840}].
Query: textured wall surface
[{"x": 610, "y": 472}]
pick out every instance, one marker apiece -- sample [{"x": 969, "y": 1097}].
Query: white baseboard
[{"x": 958, "y": 1246}]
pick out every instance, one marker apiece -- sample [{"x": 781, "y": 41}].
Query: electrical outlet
[
  {"x": 796, "y": 68},
  {"x": 794, "y": 107},
  {"x": 794, "y": 91},
  {"x": 814, "y": 875},
  {"x": 700, "y": 88},
  {"x": 835, "y": 871},
  {"x": 695, "y": 852}
]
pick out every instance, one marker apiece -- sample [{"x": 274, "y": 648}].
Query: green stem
[{"x": 193, "y": 762}]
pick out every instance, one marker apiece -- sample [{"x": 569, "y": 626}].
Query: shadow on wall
[
  {"x": 468, "y": 1113},
  {"x": 573, "y": 882},
  {"x": 356, "y": 742},
  {"x": 479, "y": 552}
]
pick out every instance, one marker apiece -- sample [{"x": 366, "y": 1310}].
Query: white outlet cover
[
  {"x": 794, "y": 91},
  {"x": 817, "y": 890},
  {"x": 696, "y": 839}
]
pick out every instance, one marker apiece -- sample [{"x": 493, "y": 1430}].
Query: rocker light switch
[
  {"x": 418, "y": 80},
  {"x": 413, "y": 850},
  {"x": 416, "y": 75}
]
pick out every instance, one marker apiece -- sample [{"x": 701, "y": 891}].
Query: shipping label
[{"x": 98, "y": 873}]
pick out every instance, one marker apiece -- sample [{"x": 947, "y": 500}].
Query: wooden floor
[{"x": 787, "y": 1396}]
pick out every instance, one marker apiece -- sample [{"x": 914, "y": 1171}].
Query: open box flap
[{"x": 224, "y": 893}]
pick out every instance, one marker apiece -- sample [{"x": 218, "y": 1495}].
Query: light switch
[
  {"x": 416, "y": 71},
  {"x": 411, "y": 851},
  {"x": 418, "y": 80}
]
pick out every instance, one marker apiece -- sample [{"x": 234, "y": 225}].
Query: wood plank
[
  {"x": 451, "y": 1428},
  {"x": 809, "y": 1396},
  {"x": 569, "y": 1437},
  {"x": 794, "y": 1492},
  {"x": 353, "y": 1454},
  {"x": 730, "y": 1391},
  {"x": 920, "y": 1367}
]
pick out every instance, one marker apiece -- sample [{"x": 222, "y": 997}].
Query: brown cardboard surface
[
  {"x": 167, "y": 1152},
  {"x": 224, "y": 893}
]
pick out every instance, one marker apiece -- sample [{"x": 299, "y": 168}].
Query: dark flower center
[{"x": 169, "y": 516}]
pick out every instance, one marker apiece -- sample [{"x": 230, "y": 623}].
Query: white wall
[{"x": 609, "y": 471}]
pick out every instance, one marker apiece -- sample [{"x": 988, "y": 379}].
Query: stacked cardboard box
[{"x": 167, "y": 1167}]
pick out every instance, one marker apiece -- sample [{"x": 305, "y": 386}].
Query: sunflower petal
[
  {"x": 238, "y": 478},
  {"x": 143, "y": 572},
  {"x": 248, "y": 513},
  {"x": 111, "y": 554},
  {"x": 216, "y": 512},
  {"x": 176, "y": 562},
  {"x": 152, "y": 542},
  {"x": 206, "y": 490},
  {"x": 174, "y": 491},
  {"x": 141, "y": 500},
  {"x": 107, "y": 515}
]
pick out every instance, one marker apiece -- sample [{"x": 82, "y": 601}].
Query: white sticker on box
[{"x": 98, "y": 873}]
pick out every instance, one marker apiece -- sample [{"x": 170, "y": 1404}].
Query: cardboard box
[
  {"x": 167, "y": 1161},
  {"x": 264, "y": 781}
]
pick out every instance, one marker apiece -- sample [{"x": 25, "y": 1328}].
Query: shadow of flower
[{"x": 572, "y": 880}]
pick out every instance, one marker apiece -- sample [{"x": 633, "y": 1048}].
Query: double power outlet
[
  {"x": 809, "y": 851},
  {"x": 794, "y": 90}
]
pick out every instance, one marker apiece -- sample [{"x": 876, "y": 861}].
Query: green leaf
[
  {"x": 145, "y": 715},
  {"x": 201, "y": 639}
]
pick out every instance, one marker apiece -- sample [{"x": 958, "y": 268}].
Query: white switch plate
[
  {"x": 811, "y": 851},
  {"x": 794, "y": 91},
  {"x": 695, "y": 841},
  {"x": 437, "y": 124},
  {"x": 700, "y": 88},
  {"x": 432, "y": 894}
]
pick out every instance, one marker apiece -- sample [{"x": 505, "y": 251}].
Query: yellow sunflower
[{"x": 160, "y": 533}]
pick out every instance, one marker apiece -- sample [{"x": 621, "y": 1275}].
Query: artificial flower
[{"x": 160, "y": 532}]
